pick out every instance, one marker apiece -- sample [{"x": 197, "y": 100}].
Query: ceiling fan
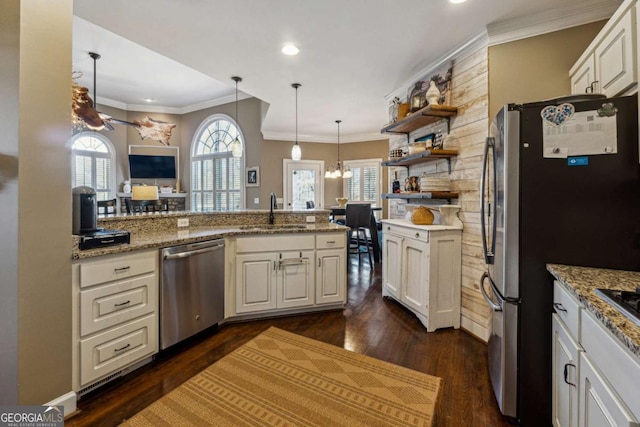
[{"x": 86, "y": 116}]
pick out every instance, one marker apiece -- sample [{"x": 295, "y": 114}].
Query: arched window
[
  {"x": 216, "y": 176},
  {"x": 93, "y": 163}
]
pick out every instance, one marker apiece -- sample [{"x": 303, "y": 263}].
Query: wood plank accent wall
[{"x": 470, "y": 89}]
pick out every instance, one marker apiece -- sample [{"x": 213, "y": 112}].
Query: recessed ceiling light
[
  {"x": 149, "y": 100},
  {"x": 290, "y": 49},
  {"x": 457, "y": 1}
]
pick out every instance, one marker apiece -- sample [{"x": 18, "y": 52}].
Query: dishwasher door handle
[{"x": 180, "y": 255}]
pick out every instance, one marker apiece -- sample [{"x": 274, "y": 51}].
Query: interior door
[{"x": 303, "y": 182}]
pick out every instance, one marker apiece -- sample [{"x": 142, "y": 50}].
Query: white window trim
[
  {"x": 366, "y": 163},
  {"x": 285, "y": 180},
  {"x": 243, "y": 162},
  {"x": 112, "y": 155}
]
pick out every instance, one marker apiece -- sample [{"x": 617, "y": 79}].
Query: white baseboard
[
  {"x": 68, "y": 401},
  {"x": 474, "y": 329}
]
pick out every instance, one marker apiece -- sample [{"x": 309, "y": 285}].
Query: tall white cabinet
[{"x": 421, "y": 269}]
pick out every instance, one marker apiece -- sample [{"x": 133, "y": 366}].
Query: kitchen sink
[{"x": 273, "y": 227}]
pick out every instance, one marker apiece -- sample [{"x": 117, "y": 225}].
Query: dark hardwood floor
[{"x": 369, "y": 325}]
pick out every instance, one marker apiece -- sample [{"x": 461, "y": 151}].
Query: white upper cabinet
[{"x": 608, "y": 66}]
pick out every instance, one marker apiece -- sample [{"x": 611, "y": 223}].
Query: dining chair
[
  {"x": 358, "y": 218},
  {"x": 107, "y": 207}
]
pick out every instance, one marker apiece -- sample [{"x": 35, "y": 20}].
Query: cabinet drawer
[
  {"x": 272, "y": 243},
  {"x": 412, "y": 233},
  {"x": 568, "y": 309},
  {"x": 330, "y": 241},
  {"x": 117, "y": 348},
  {"x": 109, "y": 305},
  {"x": 117, "y": 267}
]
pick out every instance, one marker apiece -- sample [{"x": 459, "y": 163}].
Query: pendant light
[
  {"x": 98, "y": 124},
  {"x": 339, "y": 170},
  {"x": 296, "y": 152},
  {"x": 236, "y": 145}
]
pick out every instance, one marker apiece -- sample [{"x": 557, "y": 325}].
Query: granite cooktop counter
[{"x": 582, "y": 283}]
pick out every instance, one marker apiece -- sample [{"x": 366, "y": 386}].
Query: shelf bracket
[{"x": 448, "y": 164}]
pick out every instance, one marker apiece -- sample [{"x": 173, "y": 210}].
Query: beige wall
[
  {"x": 536, "y": 68},
  {"x": 36, "y": 118}
]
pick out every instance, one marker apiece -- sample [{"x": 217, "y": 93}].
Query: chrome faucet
[{"x": 273, "y": 204}]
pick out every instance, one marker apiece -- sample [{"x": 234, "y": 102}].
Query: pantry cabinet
[
  {"x": 421, "y": 267},
  {"x": 114, "y": 312},
  {"x": 608, "y": 66}
]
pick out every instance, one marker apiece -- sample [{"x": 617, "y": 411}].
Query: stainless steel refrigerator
[{"x": 560, "y": 184}]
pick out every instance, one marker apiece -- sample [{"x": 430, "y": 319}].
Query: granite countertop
[
  {"x": 151, "y": 239},
  {"x": 583, "y": 281}
]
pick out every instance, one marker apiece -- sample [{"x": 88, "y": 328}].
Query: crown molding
[
  {"x": 549, "y": 21},
  {"x": 149, "y": 108},
  {"x": 344, "y": 139}
]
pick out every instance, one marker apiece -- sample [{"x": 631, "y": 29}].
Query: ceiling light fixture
[
  {"x": 290, "y": 49},
  {"x": 339, "y": 170},
  {"x": 236, "y": 145},
  {"x": 296, "y": 152},
  {"x": 149, "y": 100}
]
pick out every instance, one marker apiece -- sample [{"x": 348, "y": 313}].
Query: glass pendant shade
[
  {"x": 296, "y": 152},
  {"x": 347, "y": 173},
  {"x": 236, "y": 148}
]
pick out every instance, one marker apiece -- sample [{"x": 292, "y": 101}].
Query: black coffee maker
[{"x": 85, "y": 210}]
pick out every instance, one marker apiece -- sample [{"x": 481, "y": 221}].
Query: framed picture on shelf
[{"x": 253, "y": 177}]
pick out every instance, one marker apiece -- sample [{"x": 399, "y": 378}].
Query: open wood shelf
[
  {"x": 423, "y": 117},
  {"x": 421, "y": 157},
  {"x": 444, "y": 195}
]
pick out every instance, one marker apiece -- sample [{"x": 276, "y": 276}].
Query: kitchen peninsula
[{"x": 122, "y": 292}]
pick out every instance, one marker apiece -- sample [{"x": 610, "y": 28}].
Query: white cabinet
[
  {"x": 421, "y": 269},
  {"x": 564, "y": 376},
  {"x": 600, "y": 405},
  {"x": 331, "y": 273},
  {"x": 594, "y": 378},
  {"x": 289, "y": 272},
  {"x": 608, "y": 65},
  {"x": 114, "y": 314}
]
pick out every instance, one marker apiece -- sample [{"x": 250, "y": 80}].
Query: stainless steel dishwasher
[{"x": 191, "y": 290}]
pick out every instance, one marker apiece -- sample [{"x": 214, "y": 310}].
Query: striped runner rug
[{"x": 283, "y": 379}]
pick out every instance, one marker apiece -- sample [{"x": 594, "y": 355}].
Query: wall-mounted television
[{"x": 143, "y": 166}]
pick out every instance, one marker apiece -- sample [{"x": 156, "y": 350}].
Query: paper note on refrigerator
[{"x": 585, "y": 133}]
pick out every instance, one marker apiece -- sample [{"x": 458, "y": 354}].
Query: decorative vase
[
  {"x": 433, "y": 94},
  {"x": 126, "y": 188}
]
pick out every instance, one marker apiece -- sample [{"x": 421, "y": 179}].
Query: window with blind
[
  {"x": 365, "y": 184},
  {"x": 92, "y": 164},
  {"x": 216, "y": 176}
]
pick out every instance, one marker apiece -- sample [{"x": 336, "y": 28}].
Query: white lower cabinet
[
  {"x": 115, "y": 301},
  {"x": 599, "y": 403},
  {"x": 421, "y": 269},
  {"x": 564, "y": 376},
  {"x": 296, "y": 271},
  {"x": 594, "y": 378}
]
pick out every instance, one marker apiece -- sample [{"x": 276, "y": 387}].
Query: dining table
[{"x": 336, "y": 211}]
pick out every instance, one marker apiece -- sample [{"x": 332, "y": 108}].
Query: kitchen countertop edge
[
  {"x": 582, "y": 282},
  {"x": 158, "y": 240}
]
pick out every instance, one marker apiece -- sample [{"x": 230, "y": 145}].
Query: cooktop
[{"x": 626, "y": 302}]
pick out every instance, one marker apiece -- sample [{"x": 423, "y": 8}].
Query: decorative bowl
[{"x": 342, "y": 201}]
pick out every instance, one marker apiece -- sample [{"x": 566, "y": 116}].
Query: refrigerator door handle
[
  {"x": 495, "y": 306},
  {"x": 489, "y": 252}
]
